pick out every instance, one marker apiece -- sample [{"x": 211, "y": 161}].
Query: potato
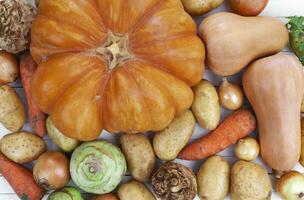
[
  {"x": 213, "y": 179},
  {"x": 206, "y": 106},
  {"x": 170, "y": 141},
  {"x": 134, "y": 190},
  {"x": 108, "y": 196},
  {"x": 199, "y": 7},
  {"x": 65, "y": 143},
  {"x": 22, "y": 147},
  {"x": 302, "y": 142},
  {"x": 139, "y": 154},
  {"x": 247, "y": 149},
  {"x": 12, "y": 114},
  {"x": 249, "y": 181},
  {"x": 248, "y": 8}
]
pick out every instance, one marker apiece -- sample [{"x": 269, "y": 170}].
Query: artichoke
[
  {"x": 97, "y": 167},
  {"x": 296, "y": 34},
  {"x": 174, "y": 181},
  {"x": 66, "y": 193}
]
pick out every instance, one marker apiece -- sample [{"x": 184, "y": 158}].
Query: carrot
[
  {"x": 37, "y": 118},
  {"x": 20, "y": 179},
  {"x": 236, "y": 126}
]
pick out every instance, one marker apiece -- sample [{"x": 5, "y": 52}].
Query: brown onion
[
  {"x": 8, "y": 68},
  {"x": 51, "y": 170},
  {"x": 291, "y": 186},
  {"x": 231, "y": 95}
]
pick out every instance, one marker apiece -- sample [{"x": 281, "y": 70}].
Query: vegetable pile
[{"x": 135, "y": 68}]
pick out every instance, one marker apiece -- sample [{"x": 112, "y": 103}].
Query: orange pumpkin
[{"x": 118, "y": 65}]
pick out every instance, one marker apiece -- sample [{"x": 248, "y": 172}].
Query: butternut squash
[
  {"x": 275, "y": 86},
  {"x": 233, "y": 41}
]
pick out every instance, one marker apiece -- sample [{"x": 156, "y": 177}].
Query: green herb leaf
[{"x": 296, "y": 34}]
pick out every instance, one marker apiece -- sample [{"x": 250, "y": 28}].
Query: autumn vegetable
[
  {"x": 231, "y": 96},
  {"x": 134, "y": 190},
  {"x": 15, "y": 25},
  {"x": 248, "y": 8},
  {"x": 213, "y": 179},
  {"x": 174, "y": 181},
  {"x": 108, "y": 196},
  {"x": 276, "y": 99},
  {"x": 8, "y": 68},
  {"x": 51, "y": 171},
  {"x": 230, "y": 53},
  {"x": 66, "y": 193},
  {"x": 12, "y": 114},
  {"x": 291, "y": 186},
  {"x": 199, "y": 7},
  {"x": 20, "y": 179},
  {"x": 296, "y": 35},
  {"x": 97, "y": 167},
  {"x": 302, "y": 142},
  {"x": 247, "y": 149},
  {"x": 205, "y": 106},
  {"x": 118, "y": 84},
  {"x": 65, "y": 143},
  {"x": 36, "y": 116},
  {"x": 249, "y": 181},
  {"x": 139, "y": 155},
  {"x": 302, "y": 106},
  {"x": 236, "y": 126},
  {"x": 22, "y": 147},
  {"x": 170, "y": 141}
]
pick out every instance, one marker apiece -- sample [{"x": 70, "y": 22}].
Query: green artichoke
[
  {"x": 66, "y": 193},
  {"x": 296, "y": 34},
  {"x": 97, "y": 167}
]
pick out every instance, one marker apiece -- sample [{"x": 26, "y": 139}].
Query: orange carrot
[
  {"x": 20, "y": 179},
  {"x": 37, "y": 118},
  {"x": 236, "y": 126}
]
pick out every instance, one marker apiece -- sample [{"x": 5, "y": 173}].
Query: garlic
[{"x": 15, "y": 24}]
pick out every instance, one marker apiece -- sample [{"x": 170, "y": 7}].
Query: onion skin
[
  {"x": 231, "y": 96},
  {"x": 97, "y": 167},
  {"x": 247, "y": 149},
  {"x": 291, "y": 186},
  {"x": 51, "y": 170},
  {"x": 9, "y": 69},
  {"x": 105, "y": 197}
]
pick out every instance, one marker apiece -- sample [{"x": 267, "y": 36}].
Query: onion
[
  {"x": 231, "y": 95},
  {"x": 51, "y": 170},
  {"x": 291, "y": 186},
  {"x": 247, "y": 149},
  {"x": 8, "y": 68}
]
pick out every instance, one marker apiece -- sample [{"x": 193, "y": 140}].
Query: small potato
[
  {"x": 302, "y": 142},
  {"x": 12, "y": 114},
  {"x": 105, "y": 197},
  {"x": 65, "y": 143},
  {"x": 134, "y": 190},
  {"x": 139, "y": 154},
  {"x": 206, "y": 106},
  {"x": 248, "y": 7},
  {"x": 247, "y": 149},
  {"x": 213, "y": 179},
  {"x": 199, "y": 7},
  {"x": 170, "y": 141},
  {"x": 249, "y": 181},
  {"x": 22, "y": 147}
]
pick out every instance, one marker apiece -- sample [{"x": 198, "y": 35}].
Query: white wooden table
[{"x": 275, "y": 8}]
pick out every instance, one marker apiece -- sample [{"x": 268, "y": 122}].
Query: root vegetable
[
  {"x": 199, "y": 7},
  {"x": 66, "y": 193},
  {"x": 51, "y": 170},
  {"x": 108, "y": 196},
  {"x": 231, "y": 95},
  {"x": 22, "y": 147},
  {"x": 174, "y": 181},
  {"x": 236, "y": 126},
  {"x": 134, "y": 190},
  {"x": 291, "y": 186},
  {"x": 12, "y": 114},
  {"x": 247, "y": 149},
  {"x": 8, "y": 68},
  {"x": 36, "y": 116},
  {"x": 248, "y": 7},
  {"x": 20, "y": 179}
]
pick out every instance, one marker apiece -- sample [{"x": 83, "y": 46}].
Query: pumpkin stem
[{"x": 115, "y": 49}]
